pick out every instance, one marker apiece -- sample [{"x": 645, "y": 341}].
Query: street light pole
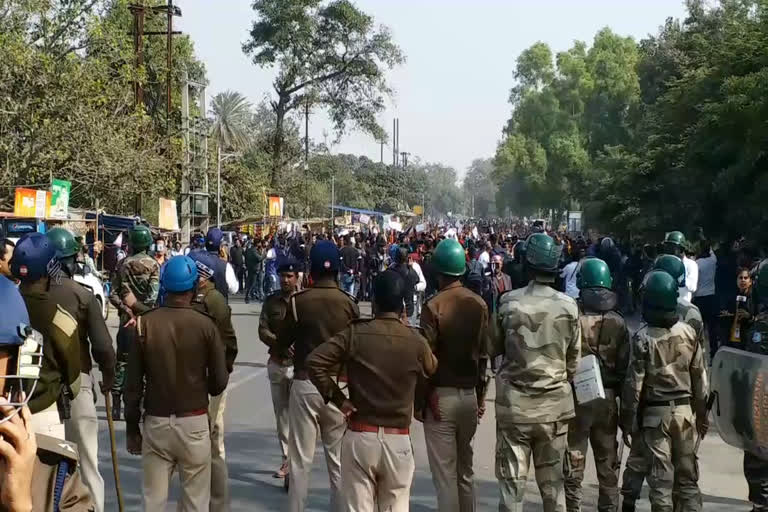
[{"x": 220, "y": 157}]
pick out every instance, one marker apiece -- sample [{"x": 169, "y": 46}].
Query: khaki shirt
[
  {"x": 51, "y": 452},
  {"x": 455, "y": 323},
  {"x": 180, "y": 353},
  {"x": 666, "y": 364},
  {"x": 314, "y": 316},
  {"x": 690, "y": 314},
  {"x": 606, "y": 336},
  {"x": 94, "y": 335},
  {"x": 383, "y": 359},
  {"x": 61, "y": 345},
  {"x": 272, "y": 316},
  {"x": 540, "y": 336},
  {"x": 211, "y": 302}
]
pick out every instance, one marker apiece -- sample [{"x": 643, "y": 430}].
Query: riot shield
[{"x": 740, "y": 380}]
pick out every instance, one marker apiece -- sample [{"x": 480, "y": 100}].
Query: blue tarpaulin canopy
[
  {"x": 115, "y": 223},
  {"x": 357, "y": 210}
]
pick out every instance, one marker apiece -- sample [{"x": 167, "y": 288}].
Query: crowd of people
[{"x": 454, "y": 306}]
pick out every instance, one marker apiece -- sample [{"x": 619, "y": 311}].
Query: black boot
[
  {"x": 116, "y": 408},
  {"x": 627, "y": 506}
]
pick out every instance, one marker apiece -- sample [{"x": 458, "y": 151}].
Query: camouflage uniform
[
  {"x": 135, "y": 288},
  {"x": 639, "y": 460},
  {"x": 605, "y": 335},
  {"x": 666, "y": 384},
  {"x": 539, "y": 335},
  {"x": 755, "y": 468}
]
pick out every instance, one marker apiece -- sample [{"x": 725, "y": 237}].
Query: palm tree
[{"x": 231, "y": 112}]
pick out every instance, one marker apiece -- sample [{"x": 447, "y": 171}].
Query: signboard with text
[
  {"x": 276, "y": 204},
  {"x": 32, "y": 203},
  {"x": 60, "y": 198}
]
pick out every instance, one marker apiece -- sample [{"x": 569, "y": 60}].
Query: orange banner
[
  {"x": 32, "y": 203},
  {"x": 275, "y": 206}
]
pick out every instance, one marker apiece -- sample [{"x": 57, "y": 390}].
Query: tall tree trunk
[{"x": 277, "y": 141}]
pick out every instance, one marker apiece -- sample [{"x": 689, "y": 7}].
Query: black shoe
[
  {"x": 628, "y": 506},
  {"x": 116, "y": 409}
]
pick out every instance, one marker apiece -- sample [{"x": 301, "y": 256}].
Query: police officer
[
  {"x": 676, "y": 244},
  {"x": 225, "y": 278},
  {"x": 604, "y": 335},
  {"x": 134, "y": 291},
  {"x": 516, "y": 270},
  {"x": 383, "y": 358},
  {"x": 280, "y": 363},
  {"x": 314, "y": 316},
  {"x": 539, "y": 335},
  {"x": 660, "y": 401},
  {"x": 208, "y": 300},
  {"x": 180, "y": 355},
  {"x": 82, "y": 428},
  {"x": 33, "y": 263},
  {"x": 639, "y": 461},
  {"x": 756, "y": 468},
  {"x": 38, "y": 470},
  {"x": 455, "y": 323}
]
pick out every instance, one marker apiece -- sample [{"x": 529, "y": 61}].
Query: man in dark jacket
[
  {"x": 237, "y": 258},
  {"x": 254, "y": 257}
]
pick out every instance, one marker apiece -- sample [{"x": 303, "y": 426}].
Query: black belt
[{"x": 668, "y": 403}]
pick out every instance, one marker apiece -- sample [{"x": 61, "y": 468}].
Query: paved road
[{"x": 253, "y": 454}]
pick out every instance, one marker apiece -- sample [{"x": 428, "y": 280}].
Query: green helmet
[
  {"x": 64, "y": 242},
  {"x": 140, "y": 237},
  {"x": 660, "y": 291},
  {"x": 449, "y": 258},
  {"x": 675, "y": 237},
  {"x": 542, "y": 253},
  {"x": 673, "y": 266},
  {"x": 594, "y": 273}
]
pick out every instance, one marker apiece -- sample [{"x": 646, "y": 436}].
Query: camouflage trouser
[
  {"x": 515, "y": 443},
  {"x": 596, "y": 424},
  {"x": 636, "y": 469},
  {"x": 124, "y": 341},
  {"x": 670, "y": 434},
  {"x": 756, "y": 473}
]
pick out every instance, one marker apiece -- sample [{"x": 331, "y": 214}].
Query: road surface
[{"x": 253, "y": 453}]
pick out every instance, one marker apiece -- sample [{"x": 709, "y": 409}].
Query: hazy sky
[{"x": 451, "y": 94}]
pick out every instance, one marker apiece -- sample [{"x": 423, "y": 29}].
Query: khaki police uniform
[
  {"x": 209, "y": 301},
  {"x": 455, "y": 323},
  {"x": 540, "y": 337},
  {"x": 279, "y": 365},
  {"x": 60, "y": 374},
  {"x": 605, "y": 335},
  {"x": 638, "y": 463},
  {"x": 82, "y": 428},
  {"x": 179, "y": 352},
  {"x": 134, "y": 291},
  {"x": 54, "y": 454},
  {"x": 383, "y": 359},
  {"x": 314, "y": 316},
  {"x": 666, "y": 387}
]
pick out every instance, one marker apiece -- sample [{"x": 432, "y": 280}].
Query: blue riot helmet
[
  {"x": 206, "y": 263},
  {"x": 180, "y": 274},
  {"x": 21, "y": 347},
  {"x": 34, "y": 257},
  {"x": 324, "y": 257}
]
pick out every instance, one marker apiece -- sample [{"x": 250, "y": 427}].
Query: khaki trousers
[
  {"x": 219, "y": 471},
  {"x": 48, "y": 423},
  {"x": 670, "y": 434},
  {"x": 280, "y": 387},
  {"x": 376, "y": 471},
  {"x": 310, "y": 416},
  {"x": 83, "y": 430},
  {"x": 177, "y": 443},
  {"x": 596, "y": 423},
  {"x": 449, "y": 448},
  {"x": 515, "y": 443}
]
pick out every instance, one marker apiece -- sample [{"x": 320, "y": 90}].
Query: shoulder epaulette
[
  {"x": 418, "y": 330},
  {"x": 58, "y": 449},
  {"x": 64, "y": 321},
  {"x": 352, "y": 297},
  {"x": 361, "y": 320},
  {"x": 295, "y": 294}
]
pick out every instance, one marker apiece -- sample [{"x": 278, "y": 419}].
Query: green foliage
[
  {"x": 231, "y": 115},
  {"x": 328, "y": 54},
  {"x": 66, "y": 79},
  {"x": 479, "y": 189}
]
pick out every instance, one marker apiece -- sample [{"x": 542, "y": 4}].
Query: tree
[
  {"x": 327, "y": 53},
  {"x": 231, "y": 113},
  {"x": 479, "y": 188}
]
